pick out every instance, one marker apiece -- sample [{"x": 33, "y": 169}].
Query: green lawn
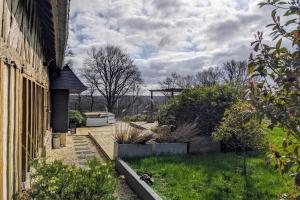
[{"x": 213, "y": 176}]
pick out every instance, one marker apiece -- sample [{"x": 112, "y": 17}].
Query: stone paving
[
  {"x": 80, "y": 148},
  {"x": 85, "y": 150}
]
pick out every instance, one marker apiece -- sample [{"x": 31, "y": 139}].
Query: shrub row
[{"x": 204, "y": 106}]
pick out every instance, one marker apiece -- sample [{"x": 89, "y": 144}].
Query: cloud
[{"x": 166, "y": 36}]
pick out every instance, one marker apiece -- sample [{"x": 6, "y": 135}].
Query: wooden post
[
  {"x": 24, "y": 143},
  {"x": 20, "y": 131},
  {"x": 151, "y": 106},
  {"x": 16, "y": 132},
  {"x": 1, "y": 132},
  {"x": 11, "y": 127},
  {"x": 172, "y": 93},
  {"x": 31, "y": 122}
]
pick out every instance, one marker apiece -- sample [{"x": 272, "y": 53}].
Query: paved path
[
  {"x": 103, "y": 136},
  {"x": 85, "y": 150},
  {"x": 79, "y": 149}
]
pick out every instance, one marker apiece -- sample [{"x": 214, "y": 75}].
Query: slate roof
[{"x": 67, "y": 80}]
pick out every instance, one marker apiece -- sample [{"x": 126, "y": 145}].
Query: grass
[
  {"x": 214, "y": 176},
  {"x": 276, "y": 136}
]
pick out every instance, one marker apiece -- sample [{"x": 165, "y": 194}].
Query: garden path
[{"x": 80, "y": 148}]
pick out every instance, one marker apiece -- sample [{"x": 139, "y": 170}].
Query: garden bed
[
  {"x": 212, "y": 176},
  {"x": 143, "y": 150}
]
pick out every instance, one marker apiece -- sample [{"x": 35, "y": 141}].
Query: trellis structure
[{"x": 172, "y": 91}]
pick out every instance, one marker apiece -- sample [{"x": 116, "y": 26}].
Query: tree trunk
[
  {"x": 110, "y": 107},
  {"x": 92, "y": 104}
]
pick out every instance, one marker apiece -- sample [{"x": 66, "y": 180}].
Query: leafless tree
[
  {"x": 128, "y": 102},
  {"x": 234, "y": 72},
  {"x": 208, "y": 77},
  {"x": 78, "y": 103},
  {"x": 170, "y": 81},
  {"x": 177, "y": 81},
  {"x": 112, "y": 72},
  {"x": 91, "y": 93},
  {"x": 186, "y": 81}
]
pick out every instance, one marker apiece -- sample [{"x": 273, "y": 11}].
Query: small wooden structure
[{"x": 172, "y": 91}]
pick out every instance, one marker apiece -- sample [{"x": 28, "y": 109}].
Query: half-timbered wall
[{"x": 24, "y": 92}]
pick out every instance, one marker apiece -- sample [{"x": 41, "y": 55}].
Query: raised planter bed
[
  {"x": 142, "y": 150},
  {"x": 144, "y": 191},
  {"x": 204, "y": 144}
]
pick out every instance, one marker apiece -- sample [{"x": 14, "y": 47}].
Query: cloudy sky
[{"x": 165, "y": 36}]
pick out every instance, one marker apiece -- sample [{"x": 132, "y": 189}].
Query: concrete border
[
  {"x": 142, "y": 189},
  {"x": 143, "y": 150}
]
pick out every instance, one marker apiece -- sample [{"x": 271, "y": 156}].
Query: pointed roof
[{"x": 67, "y": 80}]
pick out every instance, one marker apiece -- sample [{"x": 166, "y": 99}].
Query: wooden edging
[
  {"x": 98, "y": 145},
  {"x": 142, "y": 189}
]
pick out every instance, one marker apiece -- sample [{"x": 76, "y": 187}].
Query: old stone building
[{"x": 33, "y": 35}]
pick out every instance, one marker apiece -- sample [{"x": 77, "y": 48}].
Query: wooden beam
[
  {"x": 24, "y": 137},
  {"x": 11, "y": 126},
  {"x": 20, "y": 131},
  {"x": 30, "y": 122},
  {"x": 16, "y": 132},
  {"x": 1, "y": 134}
]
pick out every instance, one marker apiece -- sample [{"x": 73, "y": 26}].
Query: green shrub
[
  {"x": 237, "y": 132},
  {"x": 204, "y": 106},
  {"x": 58, "y": 181},
  {"x": 75, "y": 116}
]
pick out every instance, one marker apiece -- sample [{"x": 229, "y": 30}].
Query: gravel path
[{"x": 79, "y": 149}]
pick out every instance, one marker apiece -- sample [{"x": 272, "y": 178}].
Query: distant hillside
[{"x": 83, "y": 103}]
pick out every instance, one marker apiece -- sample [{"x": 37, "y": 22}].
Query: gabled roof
[{"x": 67, "y": 80}]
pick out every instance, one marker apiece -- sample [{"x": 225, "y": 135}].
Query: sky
[{"x": 166, "y": 36}]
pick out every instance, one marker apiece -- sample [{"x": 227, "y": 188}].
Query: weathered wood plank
[
  {"x": 11, "y": 129},
  {"x": 16, "y": 132},
  {"x": 30, "y": 94},
  {"x": 1, "y": 15},
  {"x": 1, "y": 133}
]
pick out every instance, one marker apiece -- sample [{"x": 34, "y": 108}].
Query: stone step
[
  {"x": 82, "y": 148},
  {"x": 86, "y": 157},
  {"x": 81, "y": 144},
  {"x": 85, "y": 152},
  {"x": 79, "y": 139}
]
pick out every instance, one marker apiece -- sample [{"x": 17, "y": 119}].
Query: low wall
[
  {"x": 204, "y": 144},
  {"x": 144, "y": 191},
  {"x": 142, "y": 150}
]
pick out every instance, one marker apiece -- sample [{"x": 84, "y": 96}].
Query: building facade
[{"x": 33, "y": 35}]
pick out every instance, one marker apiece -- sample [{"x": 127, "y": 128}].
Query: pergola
[{"x": 167, "y": 90}]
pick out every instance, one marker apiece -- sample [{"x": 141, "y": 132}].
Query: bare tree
[
  {"x": 177, "y": 81},
  {"x": 129, "y": 101},
  {"x": 112, "y": 72},
  {"x": 78, "y": 103},
  {"x": 91, "y": 93},
  {"x": 208, "y": 77},
  {"x": 170, "y": 81},
  {"x": 234, "y": 72},
  {"x": 186, "y": 81}
]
